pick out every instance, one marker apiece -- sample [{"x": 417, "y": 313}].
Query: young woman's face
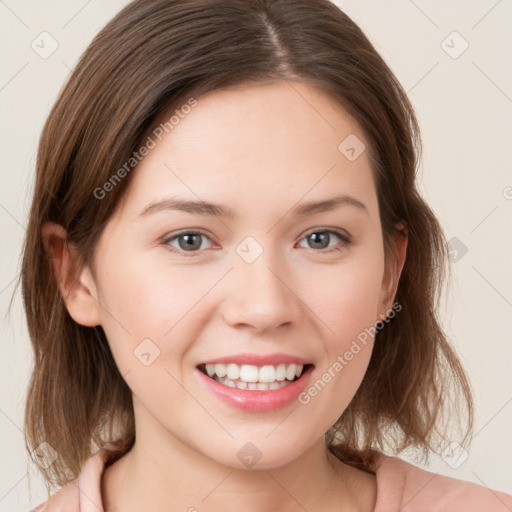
[{"x": 179, "y": 289}]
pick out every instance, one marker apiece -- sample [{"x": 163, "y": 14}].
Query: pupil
[
  {"x": 324, "y": 236},
  {"x": 189, "y": 244}
]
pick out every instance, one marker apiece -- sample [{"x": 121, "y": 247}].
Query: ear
[
  {"x": 76, "y": 285},
  {"x": 393, "y": 269}
]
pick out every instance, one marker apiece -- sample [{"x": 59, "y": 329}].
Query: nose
[{"x": 260, "y": 295}]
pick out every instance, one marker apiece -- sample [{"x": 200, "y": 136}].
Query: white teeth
[
  {"x": 252, "y": 386},
  {"x": 290, "y": 371},
  {"x": 220, "y": 370},
  {"x": 267, "y": 374},
  {"x": 233, "y": 371},
  {"x": 281, "y": 372},
  {"x": 249, "y": 373}
]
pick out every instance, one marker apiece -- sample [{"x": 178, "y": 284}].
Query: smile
[
  {"x": 255, "y": 378},
  {"x": 252, "y": 383}
]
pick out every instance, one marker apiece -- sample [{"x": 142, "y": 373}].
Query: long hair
[{"x": 151, "y": 58}]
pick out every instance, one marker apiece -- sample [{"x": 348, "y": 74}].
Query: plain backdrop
[{"x": 452, "y": 57}]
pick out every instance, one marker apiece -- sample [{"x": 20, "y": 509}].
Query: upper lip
[{"x": 259, "y": 359}]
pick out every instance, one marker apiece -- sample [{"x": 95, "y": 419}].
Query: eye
[
  {"x": 320, "y": 239},
  {"x": 188, "y": 241},
  {"x": 191, "y": 242}
]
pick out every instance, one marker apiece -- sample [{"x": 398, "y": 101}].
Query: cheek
[
  {"x": 150, "y": 324},
  {"x": 348, "y": 305},
  {"x": 149, "y": 295},
  {"x": 143, "y": 301},
  {"x": 347, "y": 298}
]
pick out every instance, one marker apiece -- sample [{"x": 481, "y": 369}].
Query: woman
[{"x": 229, "y": 275}]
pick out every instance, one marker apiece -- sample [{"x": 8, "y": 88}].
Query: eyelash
[{"x": 345, "y": 238}]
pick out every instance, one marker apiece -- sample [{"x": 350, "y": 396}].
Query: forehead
[
  {"x": 247, "y": 118},
  {"x": 254, "y": 145}
]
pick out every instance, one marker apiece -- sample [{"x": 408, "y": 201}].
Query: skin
[{"x": 261, "y": 150}]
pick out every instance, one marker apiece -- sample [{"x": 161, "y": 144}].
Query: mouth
[{"x": 252, "y": 377}]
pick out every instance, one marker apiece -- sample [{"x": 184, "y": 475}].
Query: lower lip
[{"x": 257, "y": 400}]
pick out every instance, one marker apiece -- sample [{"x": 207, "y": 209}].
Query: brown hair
[{"x": 148, "y": 60}]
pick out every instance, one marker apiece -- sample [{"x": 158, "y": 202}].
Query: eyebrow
[{"x": 212, "y": 209}]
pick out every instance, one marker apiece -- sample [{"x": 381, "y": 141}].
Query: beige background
[{"x": 464, "y": 105}]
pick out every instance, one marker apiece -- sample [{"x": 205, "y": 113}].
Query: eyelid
[
  {"x": 187, "y": 231},
  {"x": 324, "y": 229}
]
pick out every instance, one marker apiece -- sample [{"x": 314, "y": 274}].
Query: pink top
[{"x": 401, "y": 486}]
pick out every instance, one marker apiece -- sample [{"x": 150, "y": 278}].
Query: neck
[{"x": 168, "y": 473}]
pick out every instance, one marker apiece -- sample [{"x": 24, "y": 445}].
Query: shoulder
[
  {"x": 82, "y": 494},
  {"x": 65, "y": 499},
  {"x": 405, "y": 487}
]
